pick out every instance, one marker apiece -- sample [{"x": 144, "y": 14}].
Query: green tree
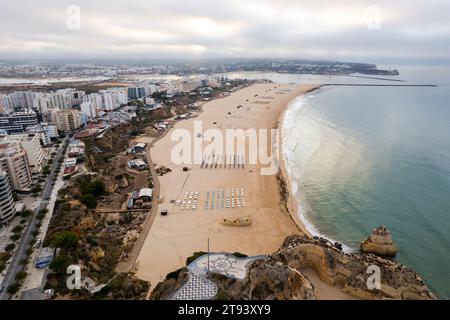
[
  {"x": 17, "y": 229},
  {"x": 46, "y": 169},
  {"x": 26, "y": 213},
  {"x": 37, "y": 188},
  {"x": 15, "y": 237},
  {"x": 65, "y": 239},
  {"x": 14, "y": 288},
  {"x": 96, "y": 188},
  {"x": 10, "y": 247},
  {"x": 60, "y": 263},
  {"x": 88, "y": 200},
  {"x": 20, "y": 276}
]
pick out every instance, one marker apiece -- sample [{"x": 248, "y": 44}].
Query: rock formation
[
  {"x": 379, "y": 243},
  {"x": 279, "y": 275},
  {"x": 238, "y": 222},
  {"x": 266, "y": 280},
  {"x": 352, "y": 271}
]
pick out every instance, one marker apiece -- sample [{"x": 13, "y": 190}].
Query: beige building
[
  {"x": 7, "y": 206},
  {"x": 14, "y": 161},
  {"x": 67, "y": 120},
  {"x": 32, "y": 146}
]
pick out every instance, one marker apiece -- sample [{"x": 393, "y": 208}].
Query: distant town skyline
[{"x": 351, "y": 30}]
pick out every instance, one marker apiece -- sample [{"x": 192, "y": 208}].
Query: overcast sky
[{"x": 406, "y": 31}]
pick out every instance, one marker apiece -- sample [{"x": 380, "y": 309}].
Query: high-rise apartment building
[
  {"x": 7, "y": 206},
  {"x": 32, "y": 146},
  {"x": 14, "y": 161},
  {"x": 67, "y": 120}
]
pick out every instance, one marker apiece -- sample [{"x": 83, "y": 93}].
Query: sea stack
[{"x": 379, "y": 243}]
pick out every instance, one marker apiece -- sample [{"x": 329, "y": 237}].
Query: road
[{"x": 15, "y": 266}]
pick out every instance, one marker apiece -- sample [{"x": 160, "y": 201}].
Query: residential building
[
  {"x": 18, "y": 100},
  {"x": 171, "y": 86},
  {"x": 5, "y": 106},
  {"x": 30, "y": 143},
  {"x": 14, "y": 161},
  {"x": 88, "y": 109},
  {"x": 136, "y": 93},
  {"x": 67, "y": 120},
  {"x": 68, "y": 97},
  {"x": 76, "y": 149},
  {"x": 18, "y": 121},
  {"x": 95, "y": 99},
  {"x": 108, "y": 99},
  {"x": 41, "y": 132},
  {"x": 51, "y": 129},
  {"x": 60, "y": 99},
  {"x": 7, "y": 206}
]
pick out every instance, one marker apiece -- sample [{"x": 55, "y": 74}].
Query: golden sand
[{"x": 175, "y": 237}]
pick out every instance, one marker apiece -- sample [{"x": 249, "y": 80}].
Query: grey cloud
[{"x": 416, "y": 30}]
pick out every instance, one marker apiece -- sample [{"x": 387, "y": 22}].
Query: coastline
[{"x": 292, "y": 205}]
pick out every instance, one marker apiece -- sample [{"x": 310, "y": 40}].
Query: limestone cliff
[
  {"x": 279, "y": 275},
  {"x": 266, "y": 280},
  {"x": 352, "y": 271}
]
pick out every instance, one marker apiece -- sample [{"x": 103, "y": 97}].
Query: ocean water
[{"x": 361, "y": 157}]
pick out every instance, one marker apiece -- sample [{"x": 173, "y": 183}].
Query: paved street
[
  {"x": 36, "y": 277},
  {"x": 20, "y": 253}
]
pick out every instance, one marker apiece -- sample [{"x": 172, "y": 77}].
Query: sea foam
[{"x": 291, "y": 136}]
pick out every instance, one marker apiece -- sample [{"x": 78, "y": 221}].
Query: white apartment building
[
  {"x": 95, "y": 99},
  {"x": 14, "y": 161},
  {"x": 150, "y": 89},
  {"x": 60, "y": 99},
  {"x": 113, "y": 98},
  {"x": 17, "y": 100},
  {"x": 108, "y": 99},
  {"x": 171, "y": 86},
  {"x": 41, "y": 132},
  {"x": 41, "y": 103},
  {"x": 30, "y": 143},
  {"x": 52, "y": 130},
  {"x": 88, "y": 109},
  {"x": 69, "y": 96}
]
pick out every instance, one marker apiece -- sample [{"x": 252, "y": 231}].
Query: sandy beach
[{"x": 186, "y": 228}]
